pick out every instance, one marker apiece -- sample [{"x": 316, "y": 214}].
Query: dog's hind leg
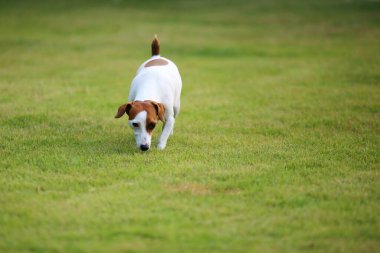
[{"x": 176, "y": 109}]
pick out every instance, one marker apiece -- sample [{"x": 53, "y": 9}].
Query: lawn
[{"x": 276, "y": 148}]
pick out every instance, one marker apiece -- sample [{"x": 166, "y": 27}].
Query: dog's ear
[
  {"x": 125, "y": 108},
  {"x": 160, "y": 109}
]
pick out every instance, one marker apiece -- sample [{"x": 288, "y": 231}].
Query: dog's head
[{"x": 143, "y": 118}]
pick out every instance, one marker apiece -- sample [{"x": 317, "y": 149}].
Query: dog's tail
[{"x": 155, "y": 46}]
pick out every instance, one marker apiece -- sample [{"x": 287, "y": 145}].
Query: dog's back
[{"x": 157, "y": 79}]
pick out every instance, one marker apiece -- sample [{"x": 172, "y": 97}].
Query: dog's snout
[{"x": 144, "y": 147}]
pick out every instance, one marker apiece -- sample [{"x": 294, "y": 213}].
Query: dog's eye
[
  {"x": 135, "y": 124},
  {"x": 151, "y": 126}
]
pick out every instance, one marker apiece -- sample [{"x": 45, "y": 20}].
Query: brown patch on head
[
  {"x": 153, "y": 114},
  {"x": 160, "y": 108},
  {"x": 156, "y": 62}
]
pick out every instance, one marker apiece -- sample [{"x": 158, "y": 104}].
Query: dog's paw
[{"x": 161, "y": 146}]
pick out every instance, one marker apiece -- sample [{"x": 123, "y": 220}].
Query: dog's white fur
[
  {"x": 141, "y": 135},
  {"x": 161, "y": 84}
]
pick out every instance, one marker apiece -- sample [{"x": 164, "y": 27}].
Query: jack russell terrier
[{"x": 154, "y": 95}]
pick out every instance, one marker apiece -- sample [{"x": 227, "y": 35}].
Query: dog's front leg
[{"x": 168, "y": 128}]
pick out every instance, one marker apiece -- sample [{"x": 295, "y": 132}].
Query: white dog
[{"x": 154, "y": 95}]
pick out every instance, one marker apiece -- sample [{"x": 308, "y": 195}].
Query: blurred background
[{"x": 276, "y": 148}]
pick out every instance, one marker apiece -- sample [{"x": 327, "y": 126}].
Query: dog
[{"x": 154, "y": 95}]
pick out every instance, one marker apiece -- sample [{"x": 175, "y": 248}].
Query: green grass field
[{"x": 276, "y": 148}]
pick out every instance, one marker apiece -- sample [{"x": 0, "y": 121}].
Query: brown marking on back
[
  {"x": 156, "y": 62},
  {"x": 155, "y": 46}
]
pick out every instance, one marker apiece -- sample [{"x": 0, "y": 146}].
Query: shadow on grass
[{"x": 51, "y": 143}]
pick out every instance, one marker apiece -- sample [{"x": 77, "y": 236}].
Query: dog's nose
[{"x": 144, "y": 147}]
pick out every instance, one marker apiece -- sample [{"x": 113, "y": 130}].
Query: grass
[{"x": 276, "y": 148}]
